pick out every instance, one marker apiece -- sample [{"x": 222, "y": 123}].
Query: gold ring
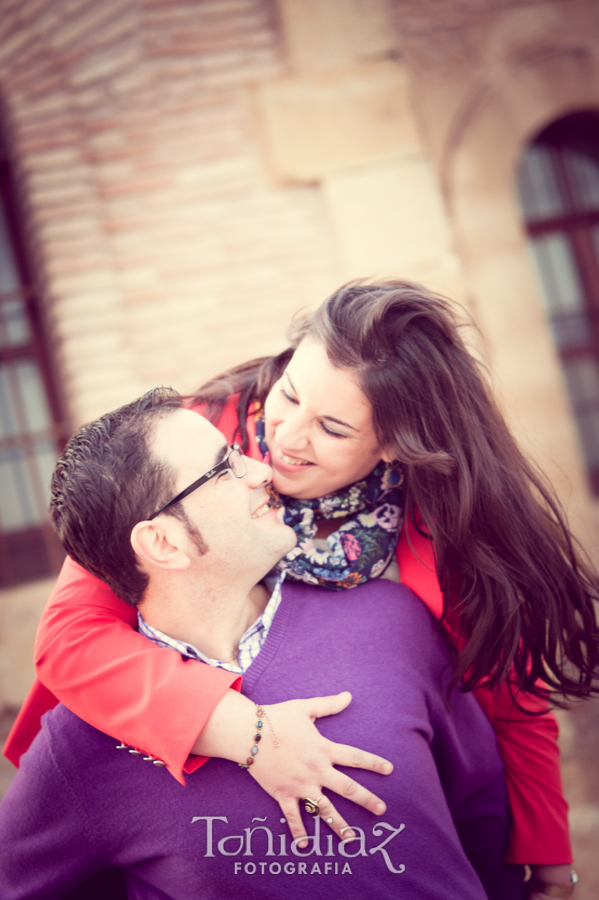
[{"x": 311, "y": 806}]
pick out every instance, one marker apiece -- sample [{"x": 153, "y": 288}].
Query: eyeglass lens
[{"x": 237, "y": 463}]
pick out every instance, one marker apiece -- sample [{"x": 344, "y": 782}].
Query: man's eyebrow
[
  {"x": 328, "y": 418},
  {"x": 221, "y": 454}
]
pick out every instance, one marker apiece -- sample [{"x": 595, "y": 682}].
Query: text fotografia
[
  {"x": 291, "y": 868},
  {"x": 259, "y": 840}
]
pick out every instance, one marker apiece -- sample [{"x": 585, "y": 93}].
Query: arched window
[
  {"x": 558, "y": 184},
  {"x": 31, "y": 427}
]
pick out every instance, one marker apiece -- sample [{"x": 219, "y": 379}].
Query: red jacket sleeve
[
  {"x": 527, "y": 743},
  {"x": 88, "y": 655},
  {"x": 529, "y": 748}
]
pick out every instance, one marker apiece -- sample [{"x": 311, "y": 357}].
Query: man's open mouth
[{"x": 262, "y": 510}]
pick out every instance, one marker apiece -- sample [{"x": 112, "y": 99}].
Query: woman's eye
[
  {"x": 288, "y": 397},
  {"x": 326, "y": 430},
  {"x": 334, "y": 434}
]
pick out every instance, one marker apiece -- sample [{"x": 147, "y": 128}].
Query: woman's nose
[{"x": 292, "y": 431}]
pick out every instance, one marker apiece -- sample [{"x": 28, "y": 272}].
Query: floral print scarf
[{"x": 372, "y": 513}]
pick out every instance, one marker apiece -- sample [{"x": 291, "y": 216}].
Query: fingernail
[
  {"x": 379, "y": 808},
  {"x": 387, "y": 768},
  {"x": 302, "y": 845}
]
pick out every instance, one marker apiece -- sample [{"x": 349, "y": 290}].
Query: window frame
[
  {"x": 38, "y": 545},
  {"x": 576, "y": 224}
]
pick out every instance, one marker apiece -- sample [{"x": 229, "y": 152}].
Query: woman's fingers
[
  {"x": 344, "y": 755},
  {"x": 327, "y": 813},
  {"x": 307, "y": 759},
  {"x": 290, "y": 809},
  {"x": 317, "y": 707},
  {"x": 351, "y": 790},
  {"x": 331, "y": 817},
  {"x": 342, "y": 785}
]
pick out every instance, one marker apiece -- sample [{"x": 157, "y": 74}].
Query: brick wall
[{"x": 163, "y": 250}]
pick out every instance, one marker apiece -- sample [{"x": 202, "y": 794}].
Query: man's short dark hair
[{"x": 105, "y": 482}]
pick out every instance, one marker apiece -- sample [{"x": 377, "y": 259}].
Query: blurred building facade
[{"x": 179, "y": 178}]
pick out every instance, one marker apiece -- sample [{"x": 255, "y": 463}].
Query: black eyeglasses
[{"x": 234, "y": 460}]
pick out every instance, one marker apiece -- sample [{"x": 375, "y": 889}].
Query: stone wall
[{"x": 486, "y": 77}]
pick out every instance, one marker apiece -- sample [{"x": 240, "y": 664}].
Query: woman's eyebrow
[{"x": 328, "y": 418}]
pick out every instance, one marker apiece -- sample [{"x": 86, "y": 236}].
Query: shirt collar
[{"x": 250, "y": 643}]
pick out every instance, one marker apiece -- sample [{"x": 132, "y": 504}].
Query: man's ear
[{"x": 159, "y": 545}]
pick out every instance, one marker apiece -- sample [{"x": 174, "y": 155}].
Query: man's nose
[{"x": 257, "y": 473}]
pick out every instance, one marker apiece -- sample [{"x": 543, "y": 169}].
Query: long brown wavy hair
[{"x": 513, "y": 578}]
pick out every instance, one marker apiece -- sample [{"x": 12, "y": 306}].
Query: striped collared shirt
[{"x": 249, "y": 645}]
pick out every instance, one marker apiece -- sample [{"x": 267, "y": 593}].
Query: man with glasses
[{"x": 190, "y": 553}]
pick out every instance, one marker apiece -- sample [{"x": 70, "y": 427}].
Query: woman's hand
[
  {"x": 551, "y": 875},
  {"x": 303, "y": 763}
]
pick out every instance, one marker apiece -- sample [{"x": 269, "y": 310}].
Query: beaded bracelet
[{"x": 261, "y": 714}]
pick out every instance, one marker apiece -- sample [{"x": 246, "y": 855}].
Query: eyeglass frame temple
[{"x": 221, "y": 466}]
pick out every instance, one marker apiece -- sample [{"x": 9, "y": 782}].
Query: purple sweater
[{"x": 78, "y": 804}]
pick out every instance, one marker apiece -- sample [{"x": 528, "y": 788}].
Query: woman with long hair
[{"x": 386, "y": 447}]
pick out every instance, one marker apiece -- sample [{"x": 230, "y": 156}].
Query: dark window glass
[
  {"x": 558, "y": 186},
  {"x": 31, "y": 428}
]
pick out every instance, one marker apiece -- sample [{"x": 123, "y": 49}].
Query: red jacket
[{"x": 88, "y": 654}]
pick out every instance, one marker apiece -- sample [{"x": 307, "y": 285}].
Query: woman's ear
[
  {"x": 157, "y": 544},
  {"x": 388, "y": 455}
]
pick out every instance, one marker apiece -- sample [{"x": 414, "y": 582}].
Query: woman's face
[{"x": 318, "y": 426}]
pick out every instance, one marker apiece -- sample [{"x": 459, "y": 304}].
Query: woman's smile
[{"x": 282, "y": 459}]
